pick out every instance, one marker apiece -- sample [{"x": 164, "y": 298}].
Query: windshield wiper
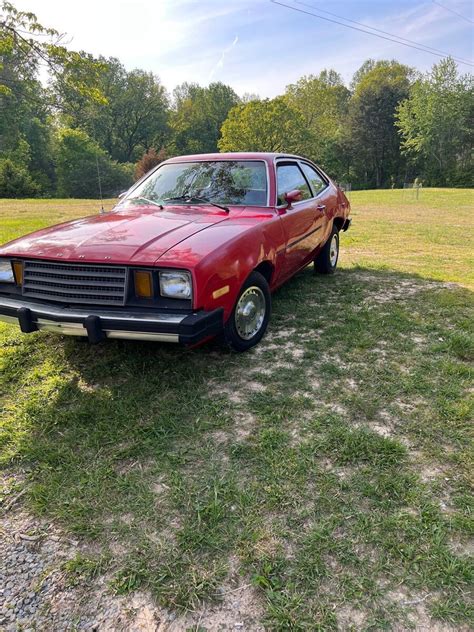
[
  {"x": 145, "y": 200},
  {"x": 191, "y": 198}
]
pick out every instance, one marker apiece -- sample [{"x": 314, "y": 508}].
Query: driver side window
[{"x": 289, "y": 178}]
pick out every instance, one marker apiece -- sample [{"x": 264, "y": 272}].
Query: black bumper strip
[
  {"x": 93, "y": 326},
  {"x": 200, "y": 325},
  {"x": 25, "y": 320}
]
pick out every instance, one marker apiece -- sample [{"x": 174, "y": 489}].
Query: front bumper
[
  {"x": 97, "y": 324},
  {"x": 347, "y": 224}
]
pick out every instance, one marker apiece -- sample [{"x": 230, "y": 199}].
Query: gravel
[
  {"x": 36, "y": 596},
  {"x": 34, "y": 591}
]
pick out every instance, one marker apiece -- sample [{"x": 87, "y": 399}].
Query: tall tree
[
  {"x": 367, "y": 66},
  {"x": 31, "y": 44},
  {"x": 140, "y": 116},
  {"x": 376, "y": 156},
  {"x": 25, "y": 132},
  {"x": 25, "y": 121},
  {"x": 323, "y": 103},
  {"x": 198, "y": 116},
  {"x": 267, "y": 125},
  {"x": 436, "y": 125},
  {"x": 132, "y": 117}
]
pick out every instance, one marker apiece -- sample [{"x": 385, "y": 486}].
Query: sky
[{"x": 256, "y": 46}]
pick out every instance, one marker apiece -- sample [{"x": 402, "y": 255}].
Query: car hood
[{"x": 139, "y": 235}]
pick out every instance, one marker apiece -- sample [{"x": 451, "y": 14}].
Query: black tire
[
  {"x": 325, "y": 263},
  {"x": 233, "y": 330}
]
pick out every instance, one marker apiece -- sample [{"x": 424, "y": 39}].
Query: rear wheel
[
  {"x": 249, "y": 319},
  {"x": 326, "y": 260}
]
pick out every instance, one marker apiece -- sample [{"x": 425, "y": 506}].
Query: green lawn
[{"x": 326, "y": 475}]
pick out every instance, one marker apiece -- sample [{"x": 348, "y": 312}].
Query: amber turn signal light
[
  {"x": 143, "y": 284},
  {"x": 18, "y": 272}
]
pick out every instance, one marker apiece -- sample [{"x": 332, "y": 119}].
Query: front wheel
[
  {"x": 249, "y": 319},
  {"x": 326, "y": 260}
]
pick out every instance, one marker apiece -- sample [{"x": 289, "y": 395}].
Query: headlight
[
  {"x": 6, "y": 271},
  {"x": 175, "y": 284}
]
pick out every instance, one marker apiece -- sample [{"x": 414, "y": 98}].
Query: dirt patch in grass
[
  {"x": 238, "y": 609},
  {"x": 416, "y": 606},
  {"x": 350, "y": 619}
]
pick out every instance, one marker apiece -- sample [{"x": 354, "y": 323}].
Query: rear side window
[
  {"x": 315, "y": 180},
  {"x": 289, "y": 178}
]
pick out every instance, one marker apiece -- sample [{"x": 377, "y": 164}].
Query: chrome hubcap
[
  {"x": 334, "y": 250},
  {"x": 250, "y": 312}
]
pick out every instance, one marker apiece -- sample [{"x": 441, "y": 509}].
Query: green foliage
[
  {"x": 20, "y": 105},
  {"x": 198, "y": 116},
  {"x": 15, "y": 181},
  {"x": 132, "y": 117},
  {"x": 78, "y": 159},
  {"x": 436, "y": 125},
  {"x": 26, "y": 122},
  {"x": 323, "y": 103},
  {"x": 375, "y": 143},
  {"x": 39, "y": 134},
  {"x": 27, "y": 42},
  {"x": 267, "y": 125},
  {"x": 367, "y": 66}
]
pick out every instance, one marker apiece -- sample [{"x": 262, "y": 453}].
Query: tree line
[{"x": 96, "y": 119}]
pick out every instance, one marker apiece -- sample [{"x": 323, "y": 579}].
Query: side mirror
[{"x": 293, "y": 196}]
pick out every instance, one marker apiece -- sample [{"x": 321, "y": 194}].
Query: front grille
[{"x": 75, "y": 282}]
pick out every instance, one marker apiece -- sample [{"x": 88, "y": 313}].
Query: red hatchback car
[{"x": 194, "y": 249}]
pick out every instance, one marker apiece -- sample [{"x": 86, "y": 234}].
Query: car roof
[{"x": 240, "y": 155}]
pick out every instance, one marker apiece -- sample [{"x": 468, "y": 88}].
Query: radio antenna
[{"x": 100, "y": 185}]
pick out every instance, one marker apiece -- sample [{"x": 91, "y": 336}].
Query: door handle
[{"x": 321, "y": 207}]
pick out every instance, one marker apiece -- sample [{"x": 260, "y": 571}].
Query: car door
[
  {"x": 326, "y": 199},
  {"x": 302, "y": 221}
]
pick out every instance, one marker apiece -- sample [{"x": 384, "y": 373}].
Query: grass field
[{"x": 325, "y": 477}]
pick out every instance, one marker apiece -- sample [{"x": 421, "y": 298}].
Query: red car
[{"x": 194, "y": 249}]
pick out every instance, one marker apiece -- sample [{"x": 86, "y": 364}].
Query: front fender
[
  {"x": 221, "y": 274},
  {"x": 222, "y": 256}
]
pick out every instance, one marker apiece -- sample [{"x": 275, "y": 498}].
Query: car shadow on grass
[{"x": 331, "y": 461}]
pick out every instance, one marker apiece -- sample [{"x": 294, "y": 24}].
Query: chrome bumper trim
[
  {"x": 77, "y": 329},
  {"x": 96, "y": 324},
  {"x": 73, "y": 313}
]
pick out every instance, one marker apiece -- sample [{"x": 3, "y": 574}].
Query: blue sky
[{"x": 255, "y": 46}]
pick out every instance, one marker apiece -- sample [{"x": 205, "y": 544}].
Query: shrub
[
  {"x": 151, "y": 158},
  {"x": 79, "y": 161},
  {"x": 15, "y": 181}
]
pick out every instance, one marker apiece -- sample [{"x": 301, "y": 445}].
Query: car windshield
[{"x": 236, "y": 182}]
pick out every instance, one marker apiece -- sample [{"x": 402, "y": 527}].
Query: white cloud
[{"x": 220, "y": 63}]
